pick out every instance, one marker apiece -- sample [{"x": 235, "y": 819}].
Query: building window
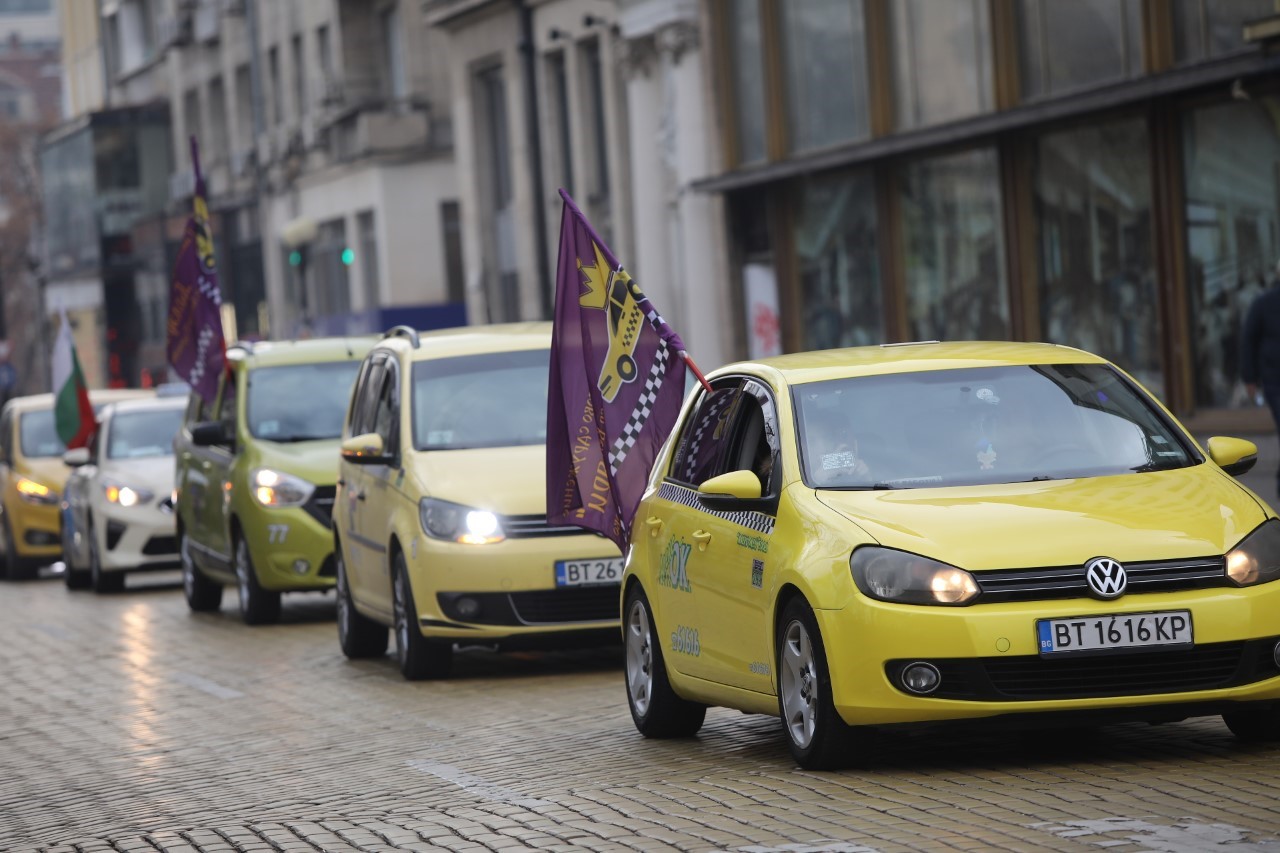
[
  {"x": 942, "y": 60},
  {"x": 299, "y": 77},
  {"x": 746, "y": 55},
  {"x": 191, "y": 117},
  {"x": 824, "y": 48},
  {"x": 218, "y": 141},
  {"x": 598, "y": 190},
  {"x": 273, "y": 80},
  {"x": 397, "y": 77},
  {"x": 1074, "y": 44},
  {"x": 503, "y": 285},
  {"x": 366, "y": 226},
  {"x": 558, "y": 86},
  {"x": 1092, "y": 189},
  {"x": 451, "y": 226},
  {"x": 1203, "y": 29},
  {"x": 835, "y": 240},
  {"x": 324, "y": 53},
  {"x": 951, "y": 232},
  {"x": 1233, "y": 232},
  {"x": 330, "y": 258},
  {"x": 244, "y": 109}
]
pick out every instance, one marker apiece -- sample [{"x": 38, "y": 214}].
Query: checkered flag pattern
[{"x": 644, "y": 407}]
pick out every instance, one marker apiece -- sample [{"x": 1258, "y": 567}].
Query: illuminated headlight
[
  {"x": 35, "y": 493},
  {"x": 905, "y": 578},
  {"x": 277, "y": 489},
  {"x": 126, "y": 496},
  {"x": 457, "y": 523},
  {"x": 1256, "y": 559}
]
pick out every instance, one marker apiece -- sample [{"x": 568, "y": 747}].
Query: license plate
[
  {"x": 588, "y": 572},
  {"x": 1103, "y": 633}
]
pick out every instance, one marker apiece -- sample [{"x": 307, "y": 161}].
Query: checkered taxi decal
[{"x": 758, "y": 521}]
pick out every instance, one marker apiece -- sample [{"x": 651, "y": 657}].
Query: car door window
[
  {"x": 705, "y": 444},
  {"x": 386, "y": 411},
  {"x": 227, "y": 408},
  {"x": 364, "y": 406}
]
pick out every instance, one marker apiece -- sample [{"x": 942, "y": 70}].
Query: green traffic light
[
  {"x": 295, "y": 258},
  {"x": 348, "y": 256}
]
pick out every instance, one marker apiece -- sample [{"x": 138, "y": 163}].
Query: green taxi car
[{"x": 256, "y": 474}]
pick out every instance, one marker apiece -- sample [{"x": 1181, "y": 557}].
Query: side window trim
[{"x": 722, "y": 383}]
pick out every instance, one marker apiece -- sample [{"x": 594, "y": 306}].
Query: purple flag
[
  {"x": 194, "y": 343},
  {"x": 617, "y": 382}
]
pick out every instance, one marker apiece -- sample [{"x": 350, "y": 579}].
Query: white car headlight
[
  {"x": 906, "y": 578},
  {"x": 125, "y": 495},
  {"x": 1256, "y": 559},
  {"x": 277, "y": 489},
  {"x": 457, "y": 523}
]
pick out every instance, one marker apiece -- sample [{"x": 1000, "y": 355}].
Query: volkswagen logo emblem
[{"x": 1106, "y": 577}]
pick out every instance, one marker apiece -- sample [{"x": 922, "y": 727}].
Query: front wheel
[
  {"x": 12, "y": 565},
  {"x": 258, "y": 606},
  {"x": 655, "y": 708},
  {"x": 419, "y": 658},
  {"x": 1254, "y": 725},
  {"x": 358, "y": 635},
  {"x": 818, "y": 738},
  {"x": 74, "y": 576},
  {"x": 102, "y": 580},
  {"x": 202, "y": 594}
]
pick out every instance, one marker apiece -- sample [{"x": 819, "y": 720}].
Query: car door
[
  {"x": 190, "y": 480},
  {"x": 680, "y": 561},
  {"x": 216, "y": 462},
  {"x": 366, "y": 555},
  {"x": 382, "y": 486},
  {"x": 83, "y": 485}
]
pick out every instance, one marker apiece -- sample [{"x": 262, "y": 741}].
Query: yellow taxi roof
[
  {"x": 97, "y": 396},
  {"x": 472, "y": 340},
  {"x": 304, "y": 351},
  {"x": 801, "y": 367}
]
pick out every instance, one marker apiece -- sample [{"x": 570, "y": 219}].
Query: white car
[{"x": 117, "y": 508}]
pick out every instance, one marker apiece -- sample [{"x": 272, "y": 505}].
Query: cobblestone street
[{"x": 127, "y": 723}]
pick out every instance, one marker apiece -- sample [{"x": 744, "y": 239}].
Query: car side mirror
[
  {"x": 76, "y": 457},
  {"x": 366, "y": 449},
  {"x": 1234, "y": 455},
  {"x": 208, "y": 433},
  {"x": 734, "y": 491}
]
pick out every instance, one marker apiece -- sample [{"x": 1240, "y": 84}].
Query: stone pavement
[{"x": 128, "y": 724}]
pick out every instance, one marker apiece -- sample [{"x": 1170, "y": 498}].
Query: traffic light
[
  {"x": 295, "y": 258},
  {"x": 348, "y": 257}
]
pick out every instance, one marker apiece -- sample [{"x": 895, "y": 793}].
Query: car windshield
[
  {"x": 985, "y": 425},
  {"x": 39, "y": 437},
  {"x": 299, "y": 402},
  {"x": 489, "y": 400},
  {"x": 134, "y": 435}
]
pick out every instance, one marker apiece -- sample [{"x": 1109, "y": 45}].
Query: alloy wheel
[
  {"x": 188, "y": 569},
  {"x": 242, "y": 574},
  {"x": 799, "y": 684},
  {"x": 639, "y": 658},
  {"x": 342, "y": 606},
  {"x": 401, "y": 616}
]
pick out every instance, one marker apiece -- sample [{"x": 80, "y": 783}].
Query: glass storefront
[
  {"x": 942, "y": 60},
  {"x": 1074, "y": 44},
  {"x": 1231, "y": 161},
  {"x": 824, "y": 53},
  {"x": 746, "y": 52},
  {"x": 1092, "y": 190},
  {"x": 835, "y": 239},
  {"x": 954, "y": 267},
  {"x": 1204, "y": 29}
]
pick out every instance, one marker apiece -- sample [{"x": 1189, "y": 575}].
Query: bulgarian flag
[{"x": 72, "y": 412}]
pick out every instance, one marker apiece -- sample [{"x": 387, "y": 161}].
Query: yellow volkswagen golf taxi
[
  {"x": 942, "y": 531},
  {"x": 440, "y": 525}
]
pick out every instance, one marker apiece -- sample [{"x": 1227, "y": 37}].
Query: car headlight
[
  {"x": 457, "y": 523},
  {"x": 35, "y": 493},
  {"x": 1256, "y": 559},
  {"x": 905, "y": 578},
  {"x": 126, "y": 496},
  {"x": 277, "y": 489}
]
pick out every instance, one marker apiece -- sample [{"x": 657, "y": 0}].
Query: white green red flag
[{"x": 73, "y": 417}]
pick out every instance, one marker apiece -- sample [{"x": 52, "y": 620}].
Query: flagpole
[{"x": 696, "y": 372}]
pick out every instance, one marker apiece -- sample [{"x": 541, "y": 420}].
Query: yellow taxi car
[
  {"x": 947, "y": 531},
  {"x": 440, "y": 523},
  {"x": 32, "y": 476}
]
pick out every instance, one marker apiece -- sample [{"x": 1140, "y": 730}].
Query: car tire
[
  {"x": 655, "y": 708},
  {"x": 258, "y": 606},
  {"x": 1254, "y": 725},
  {"x": 418, "y": 657},
  {"x": 74, "y": 576},
  {"x": 12, "y": 565},
  {"x": 202, "y": 594},
  {"x": 818, "y": 738},
  {"x": 358, "y": 635},
  {"x": 103, "y": 581}
]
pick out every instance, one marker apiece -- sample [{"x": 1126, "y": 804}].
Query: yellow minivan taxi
[{"x": 946, "y": 531}]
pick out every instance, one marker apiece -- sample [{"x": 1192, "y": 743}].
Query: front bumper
[
  {"x": 141, "y": 537},
  {"x": 35, "y": 529},
  {"x": 513, "y": 583},
  {"x": 292, "y": 548},
  {"x": 989, "y": 659}
]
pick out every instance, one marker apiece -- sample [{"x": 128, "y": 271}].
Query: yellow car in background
[
  {"x": 945, "y": 531},
  {"x": 440, "y": 521},
  {"x": 32, "y": 476}
]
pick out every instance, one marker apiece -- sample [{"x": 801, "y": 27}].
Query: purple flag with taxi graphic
[
  {"x": 194, "y": 341},
  {"x": 616, "y": 385}
]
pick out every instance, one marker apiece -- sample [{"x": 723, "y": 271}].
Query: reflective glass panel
[
  {"x": 1231, "y": 155},
  {"x": 300, "y": 402},
  {"x": 747, "y": 54},
  {"x": 1074, "y": 44},
  {"x": 824, "y": 53},
  {"x": 835, "y": 239},
  {"x": 941, "y": 60},
  {"x": 954, "y": 263},
  {"x": 135, "y": 435},
  {"x": 1203, "y": 29},
  {"x": 490, "y": 400},
  {"x": 1093, "y": 221}
]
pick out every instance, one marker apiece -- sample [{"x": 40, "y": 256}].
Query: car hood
[
  {"x": 154, "y": 473},
  {"x": 314, "y": 461},
  {"x": 51, "y": 471},
  {"x": 1161, "y": 515},
  {"x": 505, "y": 480}
]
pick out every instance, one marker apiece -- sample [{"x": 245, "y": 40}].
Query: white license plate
[
  {"x": 588, "y": 572},
  {"x": 1102, "y": 633}
]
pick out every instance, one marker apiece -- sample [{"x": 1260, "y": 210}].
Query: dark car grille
[
  {"x": 541, "y": 607},
  {"x": 1069, "y": 581},
  {"x": 1030, "y": 677},
  {"x": 320, "y": 505},
  {"x": 157, "y": 545},
  {"x": 532, "y": 526}
]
